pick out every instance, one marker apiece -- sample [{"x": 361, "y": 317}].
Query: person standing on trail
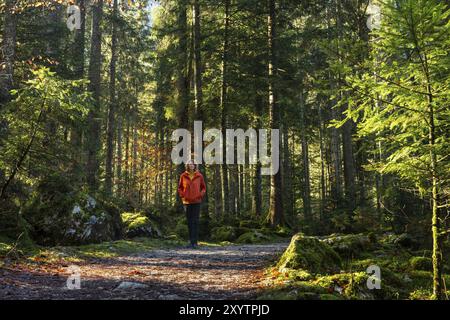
[{"x": 192, "y": 189}]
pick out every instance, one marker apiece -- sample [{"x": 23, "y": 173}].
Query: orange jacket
[{"x": 191, "y": 190}]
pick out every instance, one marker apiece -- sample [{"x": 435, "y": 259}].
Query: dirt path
[{"x": 229, "y": 272}]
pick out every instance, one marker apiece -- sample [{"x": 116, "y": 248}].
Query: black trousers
[{"x": 193, "y": 217}]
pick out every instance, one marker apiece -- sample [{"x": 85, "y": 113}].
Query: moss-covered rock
[
  {"x": 283, "y": 232},
  {"x": 350, "y": 245},
  {"x": 136, "y": 224},
  {"x": 300, "y": 290},
  {"x": 296, "y": 274},
  {"x": 309, "y": 253},
  {"x": 250, "y": 224},
  {"x": 61, "y": 215},
  {"x": 421, "y": 263},
  {"x": 254, "y": 236},
  {"x": 223, "y": 233},
  {"x": 351, "y": 285},
  {"x": 241, "y": 230},
  {"x": 404, "y": 240}
]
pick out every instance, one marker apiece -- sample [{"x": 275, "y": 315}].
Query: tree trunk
[
  {"x": 198, "y": 88},
  {"x": 435, "y": 223},
  {"x": 76, "y": 133},
  {"x": 305, "y": 160},
  {"x": 8, "y": 51},
  {"x": 112, "y": 103},
  {"x": 287, "y": 175},
  {"x": 257, "y": 184},
  {"x": 217, "y": 192},
  {"x": 93, "y": 134},
  {"x": 276, "y": 216},
  {"x": 224, "y": 105},
  {"x": 119, "y": 156},
  {"x": 182, "y": 81},
  {"x": 349, "y": 166},
  {"x": 322, "y": 166}
]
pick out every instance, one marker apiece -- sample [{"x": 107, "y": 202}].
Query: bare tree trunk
[
  {"x": 112, "y": 103},
  {"x": 119, "y": 156},
  {"x": 276, "y": 216},
  {"x": 93, "y": 134},
  {"x": 240, "y": 202},
  {"x": 217, "y": 192},
  {"x": 257, "y": 193},
  {"x": 76, "y": 133},
  {"x": 7, "y": 52},
  {"x": 127, "y": 154},
  {"x": 224, "y": 104},
  {"x": 305, "y": 159},
  {"x": 287, "y": 175},
  {"x": 182, "y": 80},
  {"x": 349, "y": 166},
  {"x": 322, "y": 166},
  {"x": 134, "y": 157},
  {"x": 232, "y": 170},
  {"x": 198, "y": 88}
]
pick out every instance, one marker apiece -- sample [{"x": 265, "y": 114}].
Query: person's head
[{"x": 191, "y": 166}]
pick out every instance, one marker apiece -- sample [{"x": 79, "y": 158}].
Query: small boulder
[
  {"x": 223, "y": 233},
  {"x": 311, "y": 254},
  {"x": 349, "y": 245},
  {"x": 138, "y": 225},
  {"x": 254, "y": 236},
  {"x": 421, "y": 263}
]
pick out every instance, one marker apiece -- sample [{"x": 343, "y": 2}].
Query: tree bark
[
  {"x": 305, "y": 160},
  {"x": 224, "y": 105},
  {"x": 93, "y": 134},
  {"x": 257, "y": 192},
  {"x": 112, "y": 103},
  {"x": 8, "y": 51},
  {"x": 182, "y": 80},
  {"x": 349, "y": 166},
  {"x": 198, "y": 88},
  {"x": 276, "y": 216}
]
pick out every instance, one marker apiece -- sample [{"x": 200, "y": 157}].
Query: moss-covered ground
[{"x": 311, "y": 268}]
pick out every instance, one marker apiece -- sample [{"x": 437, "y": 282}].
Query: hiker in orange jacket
[{"x": 192, "y": 189}]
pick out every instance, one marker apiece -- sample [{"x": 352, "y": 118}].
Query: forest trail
[{"x": 223, "y": 272}]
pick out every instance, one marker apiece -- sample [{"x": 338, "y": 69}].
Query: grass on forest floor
[{"x": 102, "y": 250}]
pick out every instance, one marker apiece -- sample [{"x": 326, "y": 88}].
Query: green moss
[
  {"x": 254, "y": 236},
  {"x": 137, "y": 224},
  {"x": 223, "y": 233},
  {"x": 283, "y": 232},
  {"x": 421, "y": 263},
  {"x": 401, "y": 274},
  {"x": 290, "y": 293},
  {"x": 134, "y": 219},
  {"x": 249, "y": 224},
  {"x": 296, "y": 274},
  {"x": 421, "y": 294},
  {"x": 308, "y": 253},
  {"x": 350, "y": 245},
  {"x": 5, "y": 247},
  {"x": 181, "y": 229}
]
